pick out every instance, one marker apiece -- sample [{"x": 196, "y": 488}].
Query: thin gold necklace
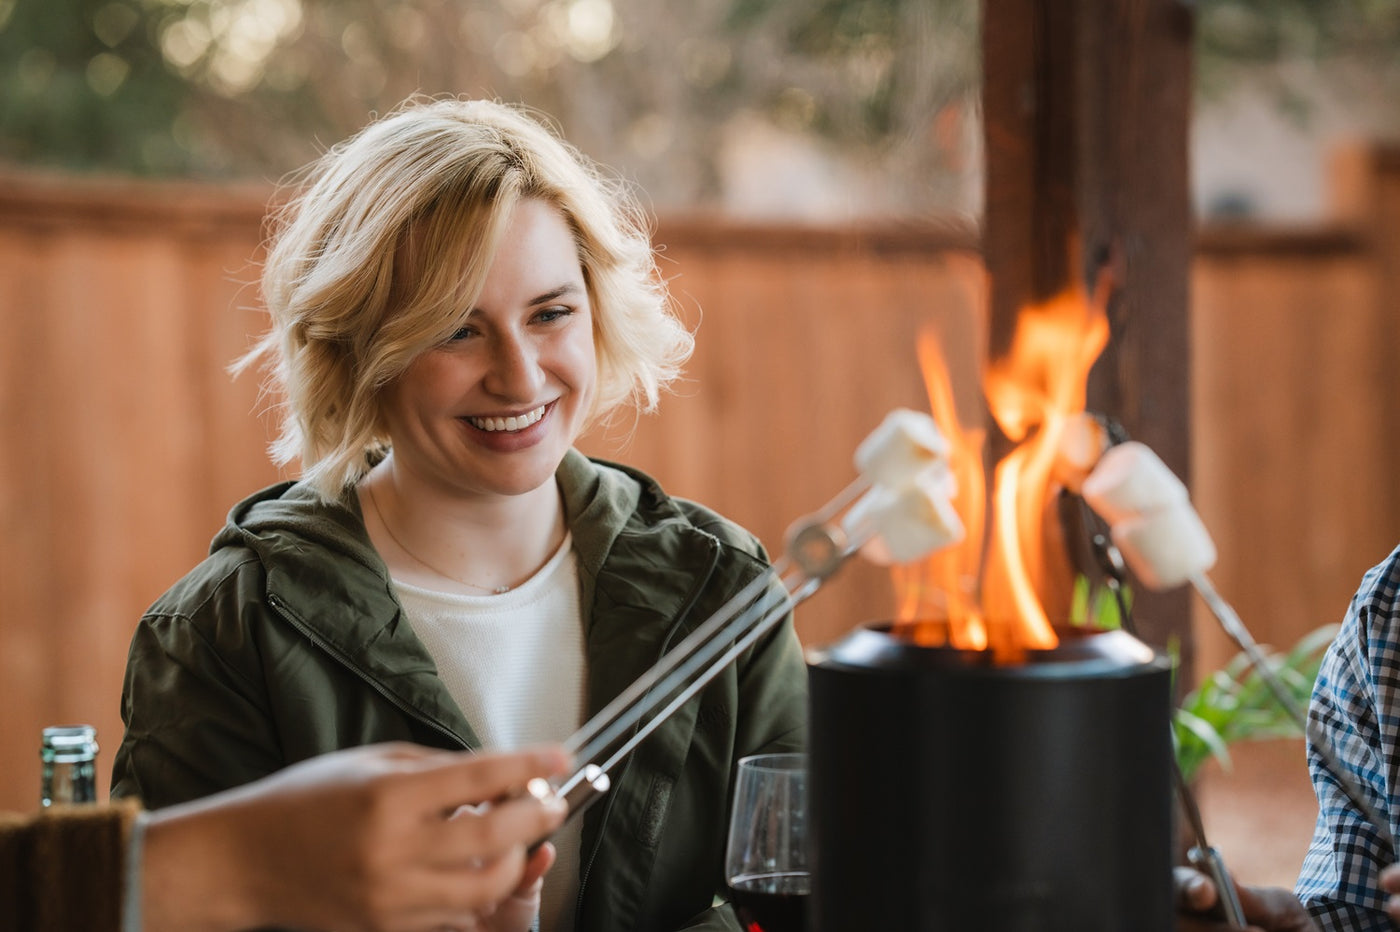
[{"x": 373, "y": 500}]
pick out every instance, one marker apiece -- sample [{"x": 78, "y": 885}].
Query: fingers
[
  {"x": 476, "y": 834},
  {"x": 516, "y": 911},
  {"x": 455, "y": 899},
  {"x": 1196, "y": 898},
  {"x": 449, "y": 780},
  {"x": 1274, "y": 908},
  {"x": 1194, "y": 891}
]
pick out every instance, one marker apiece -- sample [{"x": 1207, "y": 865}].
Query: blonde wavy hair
[{"x": 383, "y": 251}]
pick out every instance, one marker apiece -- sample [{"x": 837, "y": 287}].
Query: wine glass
[{"x": 765, "y": 864}]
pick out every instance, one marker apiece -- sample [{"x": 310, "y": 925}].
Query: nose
[{"x": 514, "y": 373}]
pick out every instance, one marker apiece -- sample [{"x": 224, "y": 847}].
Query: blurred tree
[
  {"x": 256, "y": 87},
  {"x": 674, "y": 93},
  {"x": 83, "y": 85},
  {"x": 1288, "y": 43}
]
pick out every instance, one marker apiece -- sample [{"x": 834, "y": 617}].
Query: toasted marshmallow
[
  {"x": 1130, "y": 480},
  {"x": 1166, "y": 547},
  {"x": 1083, "y": 442},
  {"x": 905, "y": 444},
  {"x": 908, "y": 523}
]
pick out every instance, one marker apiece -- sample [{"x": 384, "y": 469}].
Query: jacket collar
[
  {"x": 326, "y": 578},
  {"x": 639, "y": 559}
]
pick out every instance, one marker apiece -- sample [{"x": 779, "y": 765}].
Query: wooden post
[{"x": 1087, "y": 107}]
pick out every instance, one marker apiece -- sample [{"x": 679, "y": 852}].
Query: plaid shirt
[{"x": 1356, "y": 703}]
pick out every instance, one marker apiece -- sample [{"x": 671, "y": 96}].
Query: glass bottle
[{"x": 69, "y": 756}]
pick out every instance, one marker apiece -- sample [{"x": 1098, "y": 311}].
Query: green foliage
[
  {"x": 256, "y": 87},
  {"x": 1235, "y": 704},
  {"x": 83, "y": 85},
  {"x": 1238, "y": 36},
  {"x": 1258, "y": 30},
  {"x": 1095, "y": 606}
]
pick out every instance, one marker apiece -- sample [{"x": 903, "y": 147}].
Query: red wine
[{"x": 771, "y": 902}]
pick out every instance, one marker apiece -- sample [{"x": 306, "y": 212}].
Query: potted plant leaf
[{"x": 1231, "y": 704}]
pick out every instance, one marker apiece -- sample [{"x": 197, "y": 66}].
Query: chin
[{"x": 524, "y": 481}]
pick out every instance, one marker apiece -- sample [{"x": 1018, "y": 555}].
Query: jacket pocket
[{"x": 654, "y": 814}]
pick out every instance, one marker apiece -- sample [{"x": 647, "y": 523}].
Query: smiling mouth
[{"x": 519, "y": 422}]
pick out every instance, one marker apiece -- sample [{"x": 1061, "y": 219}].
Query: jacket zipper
[
  {"x": 418, "y": 715},
  {"x": 627, "y": 765}
]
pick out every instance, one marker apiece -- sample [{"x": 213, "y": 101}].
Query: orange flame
[
  {"x": 997, "y": 598},
  {"x": 943, "y": 585}
]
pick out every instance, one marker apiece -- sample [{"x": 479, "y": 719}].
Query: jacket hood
[{"x": 278, "y": 521}]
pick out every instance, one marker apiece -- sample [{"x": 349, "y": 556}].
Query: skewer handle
[{"x": 592, "y": 783}]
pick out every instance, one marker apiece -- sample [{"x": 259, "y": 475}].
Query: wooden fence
[
  {"x": 1296, "y": 407},
  {"x": 123, "y": 441}
]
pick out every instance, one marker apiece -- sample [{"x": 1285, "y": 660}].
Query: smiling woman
[{"x": 456, "y": 295}]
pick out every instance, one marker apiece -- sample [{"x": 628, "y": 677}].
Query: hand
[
  {"x": 1390, "y": 883},
  {"x": 1267, "y": 909},
  {"x": 517, "y": 912},
  {"x": 358, "y": 840}
]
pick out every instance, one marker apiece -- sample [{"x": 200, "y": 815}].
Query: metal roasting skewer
[
  {"x": 1203, "y": 855},
  {"x": 815, "y": 548},
  {"x": 1237, "y": 632},
  {"x": 1235, "y": 629},
  {"x": 591, "y": 734}
]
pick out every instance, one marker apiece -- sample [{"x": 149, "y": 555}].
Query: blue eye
[{"x": 551, "y": 314}]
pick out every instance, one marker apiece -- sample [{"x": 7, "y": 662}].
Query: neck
[{"x": 479, "y": 544}]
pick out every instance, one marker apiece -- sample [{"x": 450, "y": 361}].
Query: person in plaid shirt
[
  {"x": 1356, "y": 704},
  {"x": 1349, "y": 881}
]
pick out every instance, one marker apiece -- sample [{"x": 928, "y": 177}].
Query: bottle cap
[{"x": 67, "y": 743}]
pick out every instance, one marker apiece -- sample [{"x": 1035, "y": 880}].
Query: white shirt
[{"x": 514, "y": 663}]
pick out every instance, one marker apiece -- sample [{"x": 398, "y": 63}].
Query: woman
[{"x": 456, "y": 296}]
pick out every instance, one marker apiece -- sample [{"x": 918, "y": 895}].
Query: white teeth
[{"x": 508, "y": 423}]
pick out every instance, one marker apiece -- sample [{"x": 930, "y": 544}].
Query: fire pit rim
[{"x": 1082, "y": 652}]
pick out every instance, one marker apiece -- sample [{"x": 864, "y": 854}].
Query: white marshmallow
[
  {"x": 1082, "y": 443},
  {"x": 904, "y": 445},
  {"x": 1130, "y": 480},
  {"x": 907, "y": 524},
  {"x": 1167, "y": 547}
]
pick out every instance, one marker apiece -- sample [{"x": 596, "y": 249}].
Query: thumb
[
  {"x": 1194, "y": 890},
  {"x": 533, "y": 878}
]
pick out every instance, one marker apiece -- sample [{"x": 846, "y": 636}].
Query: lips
[{"x": 508, "y": 424}]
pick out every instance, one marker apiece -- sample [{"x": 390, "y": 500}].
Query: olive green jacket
[{"x": 287, "y": 642}]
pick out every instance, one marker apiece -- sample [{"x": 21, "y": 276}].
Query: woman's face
[{"x": 493, "y": 410}]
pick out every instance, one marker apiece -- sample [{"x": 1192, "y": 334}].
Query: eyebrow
[
  {"x": 568, "y": 288},
  {"x": 551, "y": 294}
]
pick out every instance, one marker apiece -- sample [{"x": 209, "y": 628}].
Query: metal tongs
[
  {"x": 815, "y": 548},
  {"x": 1137, "y": 491},
  {"x": 899, "y": 500},
  {"x": 1238, "y": 633},
  {"x": 1203, "y": 856}
]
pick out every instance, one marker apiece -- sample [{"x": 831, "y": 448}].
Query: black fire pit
[{"x": 948, "y": 792}]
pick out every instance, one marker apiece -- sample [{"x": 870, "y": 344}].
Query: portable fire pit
[
  {"x": 974, "y": 764},
  {"x": 952, "y": 791}
]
